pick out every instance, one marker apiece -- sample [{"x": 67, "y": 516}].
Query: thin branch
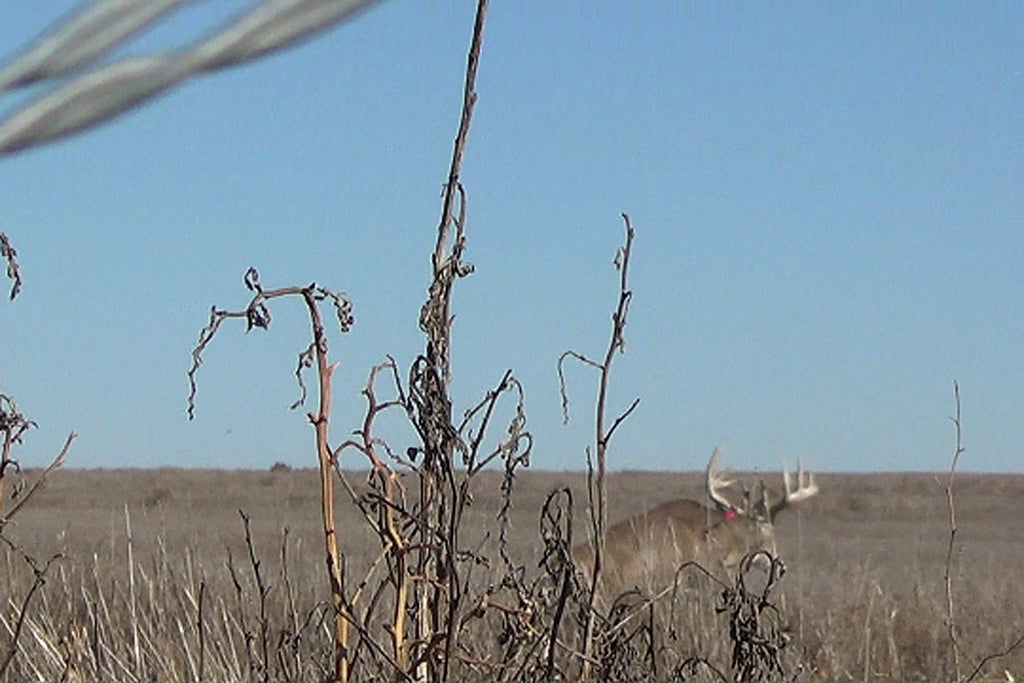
[
  {"x": 621, "y": 418},
  {"x": 948, "y": 574},
  {"x": 996, "y": 655},
  {"x": 468, "y": 102},
  {"x": 264, "y": 590},
  {"x": 306, "y": 359},
  {"x": 37, "y": 583},
  {"x": 562, "y": 387},
  {"x": 201, "y": 628},
  {"x": 40, "y": 481}
]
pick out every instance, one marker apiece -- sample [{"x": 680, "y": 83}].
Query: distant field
[{"x": 864, "y": 597}]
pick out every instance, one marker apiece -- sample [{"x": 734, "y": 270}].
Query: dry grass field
[{"x": 863, "y": 598}]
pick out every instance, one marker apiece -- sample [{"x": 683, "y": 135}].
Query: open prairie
[{"x": 864, "y": 597}]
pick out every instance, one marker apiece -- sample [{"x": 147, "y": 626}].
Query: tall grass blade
[
  {"x": 87, "y": 33},
  {"x": 103, "y": 94}
]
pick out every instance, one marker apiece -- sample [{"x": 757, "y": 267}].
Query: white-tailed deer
[{"x": 646, "y": 550}]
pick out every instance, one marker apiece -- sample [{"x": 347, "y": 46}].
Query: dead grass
[{"x": 863, "y": 599}]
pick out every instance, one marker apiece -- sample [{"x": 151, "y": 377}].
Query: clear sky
[{"x": 828, "y": 203}]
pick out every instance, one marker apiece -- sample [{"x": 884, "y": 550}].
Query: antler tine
[
  {"x": 713, "y": 472},
  {"x": 716, "y": 480},
  {"x": 805, "y": 485},
  {"x": 804, "y": 488}
]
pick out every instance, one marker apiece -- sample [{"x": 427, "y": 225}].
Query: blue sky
[{"x": 828, "y": 206}]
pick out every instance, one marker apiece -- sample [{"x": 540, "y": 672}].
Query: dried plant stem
[
  {"x": 263, "y": 590},
  {"x": 257, "y": 315},
  {"x": 320, "y": 421},
  {"x": 388, "y": 527},
  {"x": 596, "y": 487},
  {"x": 468, "y": 102},
  {"x": 13, "y": 425},
  {"x": 8, "y": 253},
  {"x": 995, "y": 655},
  {"x": 438, "y": 591},
  {"x": 137, "y": 658},
  {"x": 201, "y": 627},
  {"x": 37, "y": 583},
  {"x": 948, "y": 574},
  {"x": 56, "y": 463},
  {"x": 291, "y": 615},
  {"x": 951, "y": 628}
]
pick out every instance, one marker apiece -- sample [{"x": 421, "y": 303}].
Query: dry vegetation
[
  {"x": 446, "y": 561},
  {"x": 863, "y": 599}
]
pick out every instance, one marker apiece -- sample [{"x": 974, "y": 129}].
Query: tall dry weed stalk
[
  {"x": 596, "y": 488},
  {"x": 257, "y": 315},
  {"x": 948, "y": 572},
  {"x": 952, "y": 630}
]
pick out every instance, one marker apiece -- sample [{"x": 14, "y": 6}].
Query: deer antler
[
  {"x": 803, "y": 489},
  {"x": 715, "y": 481}
]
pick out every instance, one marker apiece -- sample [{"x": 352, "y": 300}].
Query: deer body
[{"x": 646, "y": 550}]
